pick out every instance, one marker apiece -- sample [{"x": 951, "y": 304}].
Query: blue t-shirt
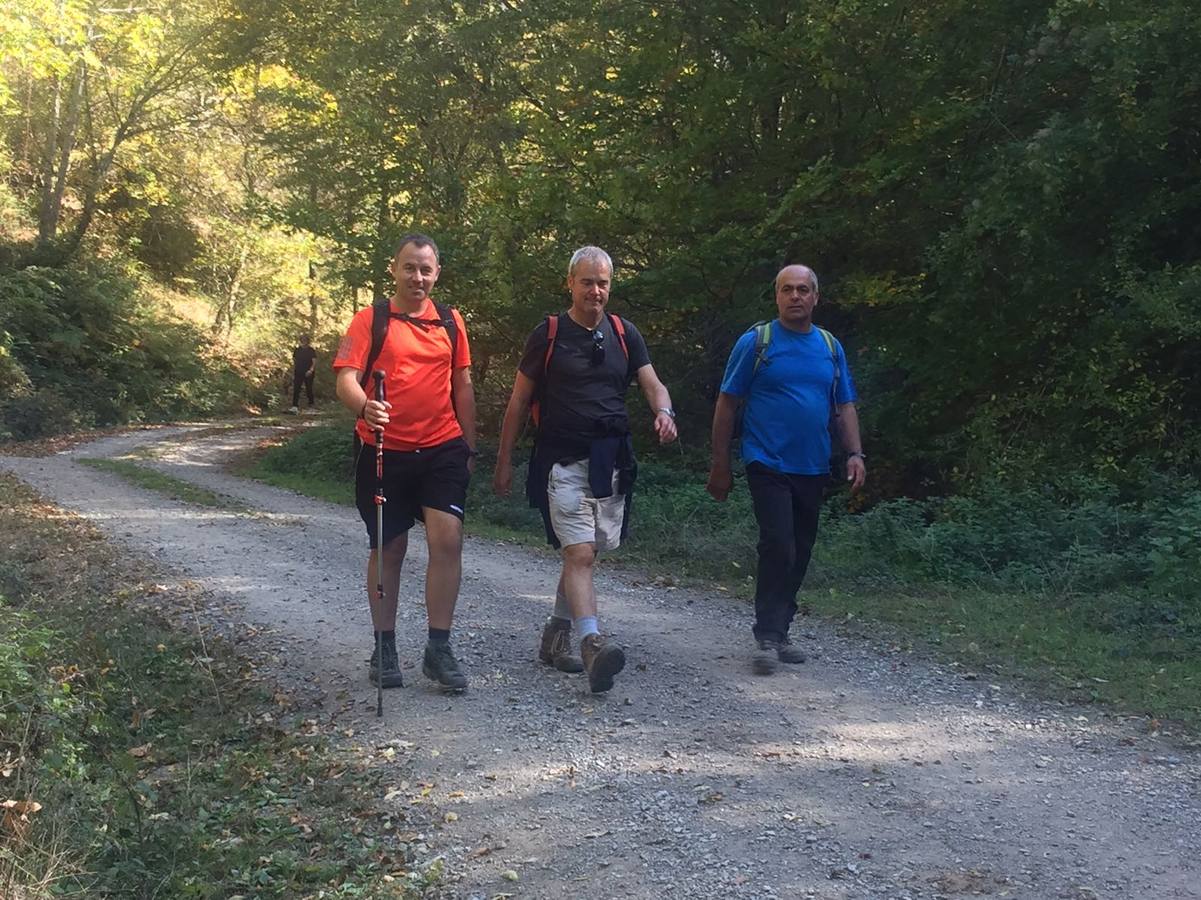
[{"x": 785, "y": 422}]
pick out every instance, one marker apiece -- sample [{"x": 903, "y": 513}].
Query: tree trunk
[
  {"x": 66, "y": 146},
  {"x": 47, "y": 227},
  {"x": 235, "y": 288}
]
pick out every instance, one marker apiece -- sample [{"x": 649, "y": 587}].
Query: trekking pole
[{"x": 380, "y": 395}]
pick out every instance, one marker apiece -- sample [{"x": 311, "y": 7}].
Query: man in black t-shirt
[
  {"x": 304, "y": 364},
  {"x": 576, "y": 369}
]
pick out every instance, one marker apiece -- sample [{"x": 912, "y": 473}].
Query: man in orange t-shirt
[{"x": 428, "y": 424}]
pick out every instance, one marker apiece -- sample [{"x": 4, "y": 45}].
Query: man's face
[
  {"x": 416, "y": 272},
  {"x": 795, "y": 295},
  {"x": 589, "y": 286}
]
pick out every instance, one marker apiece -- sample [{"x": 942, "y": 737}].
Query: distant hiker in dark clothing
[
  {"x": 576, "y": 369},
  {"x": 304, "y": 365},
  {"x": 792, "y": 376}
]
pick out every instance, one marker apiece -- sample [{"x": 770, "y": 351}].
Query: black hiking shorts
[{"x": 414, "y": 480}]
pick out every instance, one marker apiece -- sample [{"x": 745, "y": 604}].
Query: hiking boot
[
  {"x": 764, "y": 661},
  {"x": 555, "y": 649},
  {"x": 391, "y": 677},
  {"x": 440, "y": 665},
  {"x": 602, "y": 661},
  {"x": 788, "y": 652}
]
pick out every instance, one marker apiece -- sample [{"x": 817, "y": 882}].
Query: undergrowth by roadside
[
  {"x": 1089, "y": 596},
  {"x": 167, "y": 485},
  {"x": 145, "y": 761}
]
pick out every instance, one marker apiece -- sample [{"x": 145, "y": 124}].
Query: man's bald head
[{"x": 799, "y": 271}]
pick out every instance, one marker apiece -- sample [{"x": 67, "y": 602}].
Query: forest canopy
[{"x": 1003, "y": 201}]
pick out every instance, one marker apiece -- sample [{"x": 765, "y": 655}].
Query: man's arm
[
  {"x": 354, "y": 398},
  {"x": 463, "y": 392},
  {"x": 848, "y": 433},
  {"x": 721, "y": 478},
  {"x": 515, "y": 415},
  {"x": 659, "y": 400}
]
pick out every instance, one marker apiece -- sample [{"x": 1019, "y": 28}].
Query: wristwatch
[
  {"x": 859, "y": 453},
  {"x": 666, "y": 409}
]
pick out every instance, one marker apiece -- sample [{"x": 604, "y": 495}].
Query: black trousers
[
  {"x": 787, "y": 508},
  {"x": 299, "y": 378}
]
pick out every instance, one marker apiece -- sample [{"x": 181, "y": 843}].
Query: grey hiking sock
[{"x": 562, "y": 608}]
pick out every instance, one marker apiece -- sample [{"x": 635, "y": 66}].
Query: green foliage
[
  {"x": 1174, "y": 548},
  {"x": 324, "y": 452},
  {"x": 38, "y": 415},
  {"x": 13, "y": 380},
  {"x": 160, "y": 768},
  {"x": 1061, "y": 541},
  {"x": 100, "y": 355},
  {"x": 1002, "y": 205}
]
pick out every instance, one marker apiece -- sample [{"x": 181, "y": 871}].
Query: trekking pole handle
[{"x": 380, "y": 395}]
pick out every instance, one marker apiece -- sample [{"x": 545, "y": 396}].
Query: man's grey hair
[
  {"x": 812, "y": 275},
  {"x": 594, "y": 254}
]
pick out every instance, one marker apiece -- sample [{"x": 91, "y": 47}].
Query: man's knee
[
  {"x": 395, "y": 549},
  {"x": 579, "y": 555},
  {"x": 443, "y": 535},
  {"x": 778, "y": 550}
]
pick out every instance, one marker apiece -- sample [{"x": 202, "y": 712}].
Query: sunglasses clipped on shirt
[{"x": 598, "y": 347}]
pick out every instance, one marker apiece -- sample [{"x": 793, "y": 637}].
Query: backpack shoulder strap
[
  {"x": 380, "y": 317},
  {"x": 762, "y": 339},
  {"x": 552, "y": 329},
  {"x": 832, "y": 346},
  {"x": 447, "y": 319},
  {"x": 619, "y": 328}
]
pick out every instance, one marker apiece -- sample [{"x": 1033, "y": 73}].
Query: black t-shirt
[
  {"x": 579, "y": 398},
  {"x": 302, "y": 358}
]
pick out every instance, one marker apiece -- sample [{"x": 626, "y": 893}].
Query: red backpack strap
[
  {"x": 552, "y": 328},
  {"x": 619, "y": 329}
]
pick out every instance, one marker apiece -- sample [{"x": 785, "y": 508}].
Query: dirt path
[{"x": 865, "y": 773}]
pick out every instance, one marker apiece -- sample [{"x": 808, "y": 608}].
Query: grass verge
[
  {"x": 167, "y": 485},
  {"x": 1067, "y": 649},
  {"x": 147, "y": 762}
]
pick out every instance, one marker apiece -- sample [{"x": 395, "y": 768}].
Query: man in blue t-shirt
[{"x": 799, "y": 379}]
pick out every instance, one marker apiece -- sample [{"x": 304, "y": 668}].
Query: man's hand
[
  {"x": 665, "y": 428},
  {"x": 375, "y": 414},
  {"x": 721, "y": 481},
  {"x": 856, "y": 472},
  {"x": 502, "y": 479}
]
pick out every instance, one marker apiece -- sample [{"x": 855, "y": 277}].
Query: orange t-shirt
[{"x": 417, "y": 364}]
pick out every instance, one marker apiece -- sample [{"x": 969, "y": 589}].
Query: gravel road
[{"x": 868, "y": 772}]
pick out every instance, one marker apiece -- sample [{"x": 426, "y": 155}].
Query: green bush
[
  {"x": 324, "y": 453},
  {"x": 1077, "y": 536},
  {"x": 38, "y": 415},
  {"x": 89, "y": 335},
  {"x": 1174, "y": 549}
]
